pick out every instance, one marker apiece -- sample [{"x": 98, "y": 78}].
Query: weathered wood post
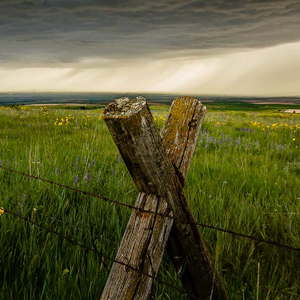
[{"x": 159, "y": 175}]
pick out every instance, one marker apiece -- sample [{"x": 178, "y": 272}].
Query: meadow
[{"x": 245, "y": 176}]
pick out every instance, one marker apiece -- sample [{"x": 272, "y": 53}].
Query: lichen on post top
[{"x": 124, "y": 107}]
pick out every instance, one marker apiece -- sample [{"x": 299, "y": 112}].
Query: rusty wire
[
  {"x": 270, "y": 242},
  {"x": 100, "y": 254},
  {"x": 66, "y": 224}
]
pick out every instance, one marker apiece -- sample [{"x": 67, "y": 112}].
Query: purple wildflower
[
  {"x": 237, "y": 142},
  {"x": 76, "y": 161},
  {"x": 87, "y": 176},
  {"x": 113, "y": 171},
  {"x": 56, "y": 170},
  {"x": 24, "y": 198},
  {"x": 93, "y": 163},
  {"x": 272, "y": 145},
  {"x": 76, "y": 179}
]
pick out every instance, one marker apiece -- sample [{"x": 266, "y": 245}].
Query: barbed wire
[
  {"x": 100, "y": 254},
  {"x": 73, "y": 189},
  {"x": 65, "y": 223},
  {"x": 273, "y": 243}
]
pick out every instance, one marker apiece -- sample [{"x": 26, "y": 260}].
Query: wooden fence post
[{"x": 159, "y": 175}]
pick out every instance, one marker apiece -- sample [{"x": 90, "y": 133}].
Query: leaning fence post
[{"x": 133, "y": 130}]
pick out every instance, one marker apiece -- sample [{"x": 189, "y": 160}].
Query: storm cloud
[
  {"x": 225, "y": 47},
  {"x": 67, "y": 31}
]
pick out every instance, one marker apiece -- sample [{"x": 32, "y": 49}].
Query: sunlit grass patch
[{"x": 245, "y": 176}]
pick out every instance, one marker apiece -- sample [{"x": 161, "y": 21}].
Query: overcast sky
[{"x": 238, "y": 47}]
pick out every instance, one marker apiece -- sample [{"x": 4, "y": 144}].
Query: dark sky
[{"x": 91, "y": 33}]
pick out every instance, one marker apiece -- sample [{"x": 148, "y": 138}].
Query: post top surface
[{"x": 124, "y": 107}]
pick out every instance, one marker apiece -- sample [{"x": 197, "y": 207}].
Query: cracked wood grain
[{"x": 158, "y": 167}]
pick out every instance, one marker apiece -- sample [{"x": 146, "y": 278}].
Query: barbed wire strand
[
  {"x": 73, "y": 189},
  {"x": 18, "y": 215},
  {"x": 65, "y": 223},
  {"x": 273, "y": 243}
]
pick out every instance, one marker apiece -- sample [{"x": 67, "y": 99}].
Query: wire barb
[
  {"x": 100, "y": 254},
  {"x": 65, "y": 223},
  {"x": 273, "y": 243}
]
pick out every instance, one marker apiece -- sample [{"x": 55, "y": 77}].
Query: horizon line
[{"x": 153, "y": 93}]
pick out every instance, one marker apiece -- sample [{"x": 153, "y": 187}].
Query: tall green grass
[{"x": 244, "y": 177}]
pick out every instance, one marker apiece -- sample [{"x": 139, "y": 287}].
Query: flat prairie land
[{"x": 245, "y": 177}]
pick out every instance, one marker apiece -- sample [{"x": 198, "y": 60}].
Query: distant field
[
  {"x": 86, "y": 98},
  {"x": 245, "y": 176},
  {"x": 249, "y": 106}
]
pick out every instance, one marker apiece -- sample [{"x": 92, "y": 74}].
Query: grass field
[{"x": 245, "y": 176}]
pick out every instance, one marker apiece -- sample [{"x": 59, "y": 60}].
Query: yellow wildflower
[
  {"x": 1, "y": 211},
  {"x": 293, "y": 139},
  {"x": 60, "y": 123},
  {"x": 65, "y": 272}
]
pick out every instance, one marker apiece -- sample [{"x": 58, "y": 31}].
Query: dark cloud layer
[{"x": 68, "y": 31}]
